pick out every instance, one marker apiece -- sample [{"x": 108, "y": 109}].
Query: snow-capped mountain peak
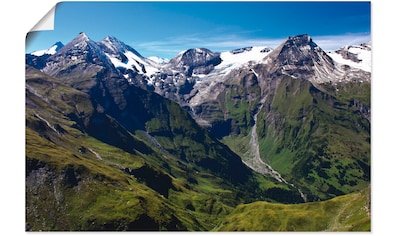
[
  {"x": 114, "y": 45},
  {"x": 301, "y": 58},
  {"x": 52, "y": 50},
  {"x": 82, "y": 38},
  {"x": 196, "y": 61},
  {"x": 127, "y": 59},
  {"x": 189, "y": 76},
  {"x": 194, "y": 56}
]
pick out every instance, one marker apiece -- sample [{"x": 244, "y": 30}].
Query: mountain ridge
[
  {"x": 178, "y": 82},
  {"x": 201, "y": 133},
  {"x": 109, "y": 38}
]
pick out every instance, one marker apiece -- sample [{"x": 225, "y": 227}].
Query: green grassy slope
[
  {"x": 344, "y": 213},
  {"x": 319, "y": 140},
  {"x": 76, "y": 182},
  {"x": 231, "y": 113},
  {"x": 87, "y": 171}
]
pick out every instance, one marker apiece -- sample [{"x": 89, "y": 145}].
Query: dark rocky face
[
  {"x": 346, "y": 54},
  {"x": 197, "y": 61},
  {"x": 80, "y": 58}
]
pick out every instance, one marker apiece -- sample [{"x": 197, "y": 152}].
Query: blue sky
[{"x": 165, "y": 28}]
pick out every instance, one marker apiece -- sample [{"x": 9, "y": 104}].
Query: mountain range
[{"x": 117, "y": 141}]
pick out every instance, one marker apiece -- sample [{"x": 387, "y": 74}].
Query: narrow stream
[{"x": 253, "y": 159}]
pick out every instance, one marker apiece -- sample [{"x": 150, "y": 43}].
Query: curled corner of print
[{"x": 46, "y": 23}]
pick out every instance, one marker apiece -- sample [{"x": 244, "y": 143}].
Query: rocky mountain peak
[
  {"x": 202, "y": 59},
  {"x": 195, "y": 56},
  {"x": 298, "y": 50},
  {"x": 80, "y": 40},
  {"x": 112, "y": 45},
  {"x": 111, "y": 40},
  {"x": 82, "y": 36},
  {"x": 300, "y": 39},
  {"x": 81, "y": 58},
  {"x": 38, "y": 59},
  {"x": 300, "y": 57},
  {"x": 80, "y": 43},
  {"x": 50, "y": 51}
]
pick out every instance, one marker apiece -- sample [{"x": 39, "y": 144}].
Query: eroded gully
[{"x": 253, "y": 159}]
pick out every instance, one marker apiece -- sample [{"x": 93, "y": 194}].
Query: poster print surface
[{"x": 199, "y": 116}]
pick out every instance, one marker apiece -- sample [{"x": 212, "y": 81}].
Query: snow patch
[
  {"x": 135, "y": 62},
  {"x": 158, "y": 60},
  {"x": 362, "y": 53},
  {"x": 50, "y": 51},
  {"x": 239, "y": 57}
]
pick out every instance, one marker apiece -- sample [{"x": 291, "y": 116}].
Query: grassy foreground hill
[{"x": 349, "y": 212}]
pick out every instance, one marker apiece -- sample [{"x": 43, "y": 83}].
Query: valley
[
  {"x": 256, "y": 163},
  {"x": 253, "y": 139}
]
